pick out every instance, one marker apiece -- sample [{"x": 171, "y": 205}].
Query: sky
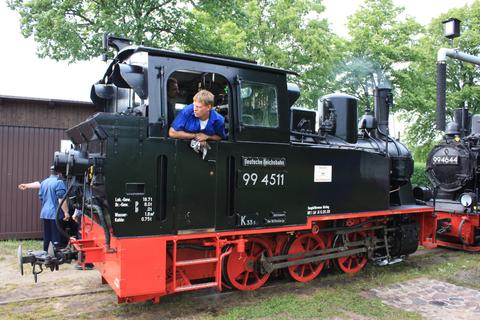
[{"x": 24, "y": 74}]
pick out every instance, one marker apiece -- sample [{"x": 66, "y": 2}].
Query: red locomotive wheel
[
  {"x": 305, "y": 243},
  {"x": 242, "y": 268},
  {"x": 356, "y": 262}
]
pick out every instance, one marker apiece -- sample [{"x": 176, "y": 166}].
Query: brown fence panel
[{"x": 26, "y": 155}]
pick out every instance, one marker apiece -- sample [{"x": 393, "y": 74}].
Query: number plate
[
  {"x": 445, "y": 160},
  {"x": 261, "y": 179}
]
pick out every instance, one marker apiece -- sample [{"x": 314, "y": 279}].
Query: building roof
[{"x": 45, "y": 100}]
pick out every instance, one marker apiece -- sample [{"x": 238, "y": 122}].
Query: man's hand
[
  {"x": 22, "y": 186},
  {"x": 201, "y": 137},
  {"x": 76, "y": 215},
  {"x": 66, "y": 216}
]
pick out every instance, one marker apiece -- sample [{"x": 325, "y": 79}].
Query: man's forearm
[
  {"x": 31, "y": 185},
  {"x": 215, "y": 138},
  {"x": 172, "y": 133},
  {"x": 64, "y": 207}
]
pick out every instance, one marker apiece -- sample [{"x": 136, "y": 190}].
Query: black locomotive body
[
  {"x": 297, "y": 173},
  {"x": 285, "y": 190}
]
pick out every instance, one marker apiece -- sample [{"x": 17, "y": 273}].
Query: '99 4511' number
[{"x": 252, "y": 179}]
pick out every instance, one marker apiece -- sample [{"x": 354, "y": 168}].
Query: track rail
[{"x": 94, "y": 291}]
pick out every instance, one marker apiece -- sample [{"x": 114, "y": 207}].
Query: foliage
[
  {"x": 383, "y": 45},
  {"x": 419, "y": 79},
  {"x": 419, "y": 177},
  {"x": 382, "y": 40},
  {"x": 284, "y": 33},
  {"x": 72, "y": 29}
]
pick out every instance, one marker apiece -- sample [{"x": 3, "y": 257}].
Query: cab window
[
  {"x": 182, "y": 85},
  {"x": 259, "y": 107}
]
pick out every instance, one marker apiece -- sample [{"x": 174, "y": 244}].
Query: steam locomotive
[
  {"x": 452, "y": 168},
  {"x": 287, "y": 192}
]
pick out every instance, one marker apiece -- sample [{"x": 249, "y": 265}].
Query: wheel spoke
[
  {"x": 302, "y": 273},
  {"x": 252, "y": 250},
  {"x": 258, "y": 254},
  {"x": 245, "y": 280},
  {"x": 310, "y": 266}
]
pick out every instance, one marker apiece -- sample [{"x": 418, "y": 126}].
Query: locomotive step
[
  {"x": 196, "y": 286},
  {"x": 195, "y": 261}
]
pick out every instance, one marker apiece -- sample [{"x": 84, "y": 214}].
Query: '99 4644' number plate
[{"x": 445, "y": 160}]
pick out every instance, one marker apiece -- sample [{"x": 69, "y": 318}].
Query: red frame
[
  {"x": 136, "y": 267},
  {"x": 463, "y": 239}
]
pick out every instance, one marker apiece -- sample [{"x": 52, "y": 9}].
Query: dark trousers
[{"x": 50, "y": 233}]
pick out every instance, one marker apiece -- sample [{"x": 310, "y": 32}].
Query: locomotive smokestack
[
  {"x": 383, "y": 100},
  {"x": 441, "y": 94}
]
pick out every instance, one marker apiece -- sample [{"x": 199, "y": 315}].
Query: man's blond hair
[{"x": 205, "y": 97}]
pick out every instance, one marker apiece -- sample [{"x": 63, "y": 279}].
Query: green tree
[
  {"x": 72, "y": 29},
  {"x": 381, "y": 43},
  {"x": 282, "y": 33},
  {"x": 418, "y": 81}
]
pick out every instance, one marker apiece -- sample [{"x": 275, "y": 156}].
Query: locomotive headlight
[{"x": 467, "y": 199}]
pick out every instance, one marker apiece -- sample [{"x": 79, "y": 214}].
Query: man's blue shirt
[
  {"x": 51, "y": 189},
  {"x": 186, "y": 121}
]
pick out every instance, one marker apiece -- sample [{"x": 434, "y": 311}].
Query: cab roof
[{"x": 127, "y": 52}]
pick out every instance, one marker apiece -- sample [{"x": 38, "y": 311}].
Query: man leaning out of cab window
[{"x": 198, "y": 121}]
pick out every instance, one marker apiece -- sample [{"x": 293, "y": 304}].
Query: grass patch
[
  {"x": 328, "y": 302},
  {"x": 25, "y": 310},
  {"x": 8, "y": 287},
  {"x": 178, "y": 307},
  {"x": 9, "y": 247},
  {"x": 344, "y": 296}
]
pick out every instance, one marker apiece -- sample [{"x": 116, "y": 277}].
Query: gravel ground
[{"x": 71, "y": 293}]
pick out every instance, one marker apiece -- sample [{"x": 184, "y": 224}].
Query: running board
[
  {"x": 196, "y": 286},
  {"x": 196, "y": 261}
]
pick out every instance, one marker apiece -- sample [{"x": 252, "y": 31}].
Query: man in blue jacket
[
  {"x": 51, "y": 192},
  {"x": 198, "y": 121}
]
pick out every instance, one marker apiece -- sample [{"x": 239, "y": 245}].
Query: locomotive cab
[{"x": 254, "y": 101}]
